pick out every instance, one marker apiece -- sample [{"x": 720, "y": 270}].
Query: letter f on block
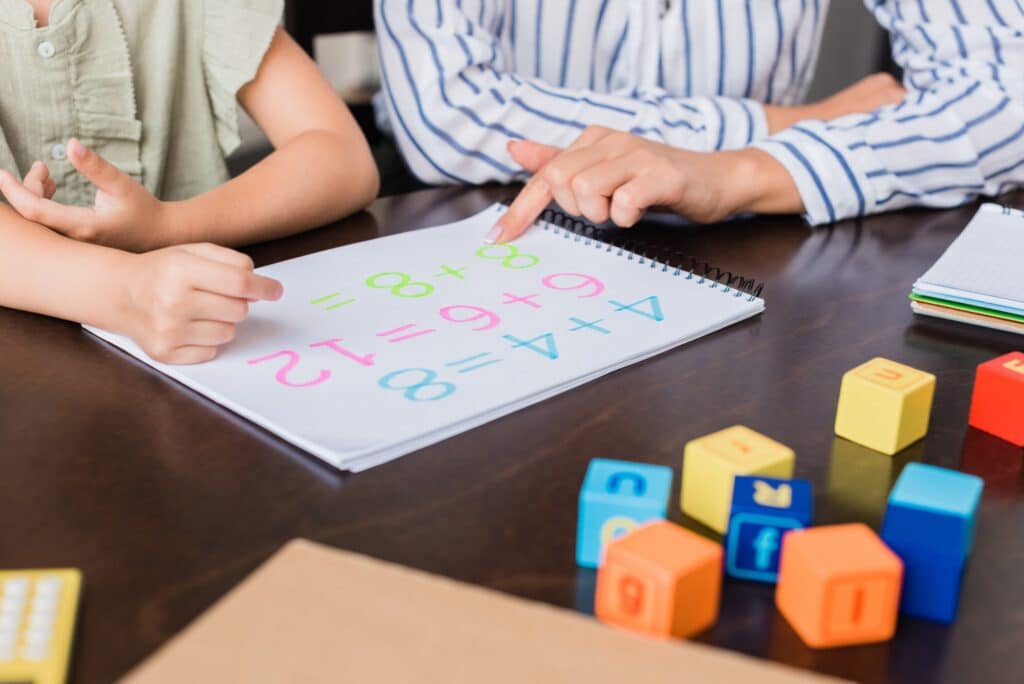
[{"x": 766, "y": 543}]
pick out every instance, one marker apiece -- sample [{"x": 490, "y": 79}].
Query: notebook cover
[
  {"x": 949, "y": 314},
  {"x": 314, "y": 614},
  {"x": 970, "y": 308}
]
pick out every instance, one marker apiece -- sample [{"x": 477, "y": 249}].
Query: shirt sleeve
[
  {"x": 236, "y": 37},
  {"x": 454, "y": 104},
  {"x": 958, "y": 134}
]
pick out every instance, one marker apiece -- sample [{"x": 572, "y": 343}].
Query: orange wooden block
[
  {"x": 661, "y": 580},
  {"x": 997, "y": 406},
  {"x": 839, "y": 585}
]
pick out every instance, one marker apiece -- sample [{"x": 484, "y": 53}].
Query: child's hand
[
  {"x": 125, "y": 215},
  {"x": 38, "y": 181},
  {"x": 181, "y": 303}
]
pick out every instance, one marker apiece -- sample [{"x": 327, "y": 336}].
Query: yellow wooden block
[
  {"x": 37, "y": 624},
  {"x": 884, "y": 405},
  {"x": 711, "y": 462}
]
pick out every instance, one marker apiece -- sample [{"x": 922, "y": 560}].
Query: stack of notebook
[{"x": 980, "y": 278}]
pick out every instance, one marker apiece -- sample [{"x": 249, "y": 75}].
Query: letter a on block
[
  {"x": 1016, "y": 365},
  {"x": 998, "y": 400}
]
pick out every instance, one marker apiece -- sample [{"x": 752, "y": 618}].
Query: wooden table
[{"x": 166, "y": 501}]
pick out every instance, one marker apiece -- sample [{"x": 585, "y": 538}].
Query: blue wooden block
[
  {"x": 616, "y": 497},
  {"x": 763, "y": 510},
  {"x": 931, "y": 583},
  {"x": 929, "y": 523}
]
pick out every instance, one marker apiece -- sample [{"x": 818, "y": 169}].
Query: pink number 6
[
  {"x": 581, "y": 281},
  {"x": 476, "y": 314},
  {"x": 293, "y": 360}
]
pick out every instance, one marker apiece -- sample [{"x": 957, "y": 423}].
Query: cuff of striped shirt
[
  {"x": 733, "y": 123},
  {"x": 825, "y": 170}
]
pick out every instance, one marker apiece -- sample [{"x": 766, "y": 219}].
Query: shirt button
[
  {"x": 59, "y": 152},
  {"x": 46, "y": 49}
]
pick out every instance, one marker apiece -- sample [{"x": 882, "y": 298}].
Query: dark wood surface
[{"x": 166, "y": 501}]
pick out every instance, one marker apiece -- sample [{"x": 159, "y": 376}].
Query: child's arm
[
  {"x": 178, "y": 304},
  {"x": 321, "y": 170}
]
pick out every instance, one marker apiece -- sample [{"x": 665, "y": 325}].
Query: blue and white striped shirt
[{"x": 462, "y": 77}]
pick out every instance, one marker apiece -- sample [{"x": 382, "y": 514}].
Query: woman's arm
[
  {"x": 455, "y": 100},
  {"x": 958, "y": 134}
]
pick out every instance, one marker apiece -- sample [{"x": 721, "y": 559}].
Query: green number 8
[
  {"x": 511, "y": 258},
  {"x": 405, "y": 287}
]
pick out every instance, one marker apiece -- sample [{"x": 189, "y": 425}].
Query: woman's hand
[
  {"x": 180, "y": 304},
  {"x": 125, "y": 214},
  {"x": 609, "y": 175}
]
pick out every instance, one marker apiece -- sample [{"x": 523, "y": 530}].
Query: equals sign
[
  {"x": 329, "y": 298},
  {"x": 473, "y": 360},
  {"x": 405, "y": 332}
]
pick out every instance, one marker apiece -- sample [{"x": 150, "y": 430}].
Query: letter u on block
[
  {"x": 639, "y": 483},
  {"x": 616, "y": 497}
]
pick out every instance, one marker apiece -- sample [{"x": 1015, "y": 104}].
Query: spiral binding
[{"x": 647, "y": 253}]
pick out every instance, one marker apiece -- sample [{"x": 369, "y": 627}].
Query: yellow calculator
[{"x": 37, "y": 621}]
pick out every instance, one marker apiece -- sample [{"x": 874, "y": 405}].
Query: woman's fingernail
[{"x": 493, "y": 235}]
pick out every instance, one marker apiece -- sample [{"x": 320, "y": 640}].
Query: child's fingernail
[{"x": 493, "y": 235}]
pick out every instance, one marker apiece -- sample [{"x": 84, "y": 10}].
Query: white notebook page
[
  {"x": 383, "y": 347},
  {"x": 983, "y": 265}
]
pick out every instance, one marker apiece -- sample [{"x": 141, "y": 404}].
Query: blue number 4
[
  {"x": 654, "y": 314},
  {"x": 549, "y": 348}
]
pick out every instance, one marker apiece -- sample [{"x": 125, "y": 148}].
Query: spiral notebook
[
  {"x": 979, "y": 279},
  {"x": 383, "y": 347}
]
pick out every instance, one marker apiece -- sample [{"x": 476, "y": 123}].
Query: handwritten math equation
[{"x": 291, "y": 368}]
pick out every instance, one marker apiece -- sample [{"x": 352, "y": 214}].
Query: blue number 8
[{"x": 419, "y": 391}]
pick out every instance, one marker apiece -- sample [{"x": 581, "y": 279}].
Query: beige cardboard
[{"x": 314, "y": 614}]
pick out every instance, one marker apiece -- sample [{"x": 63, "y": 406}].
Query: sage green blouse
[{"x": 150, "y": 84}]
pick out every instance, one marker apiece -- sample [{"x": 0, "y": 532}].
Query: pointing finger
[
  {"x": 98, "y": 170},
  {"x": 524, "y": 210},
  {"x": 532, "y": 156}
]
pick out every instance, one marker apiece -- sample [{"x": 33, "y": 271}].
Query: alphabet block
[
  {"x": 930, "y": 525},
  {"x": 997, "y": 405},
  {"x": 839, "y": 585},
  {"x": 711, "y": 462},
  {"x": 661, "y": 580},
  {"x": 884, "y": 405},
  {"x": 763, "y": 510},
  {"x": 616, "y": 497}
]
